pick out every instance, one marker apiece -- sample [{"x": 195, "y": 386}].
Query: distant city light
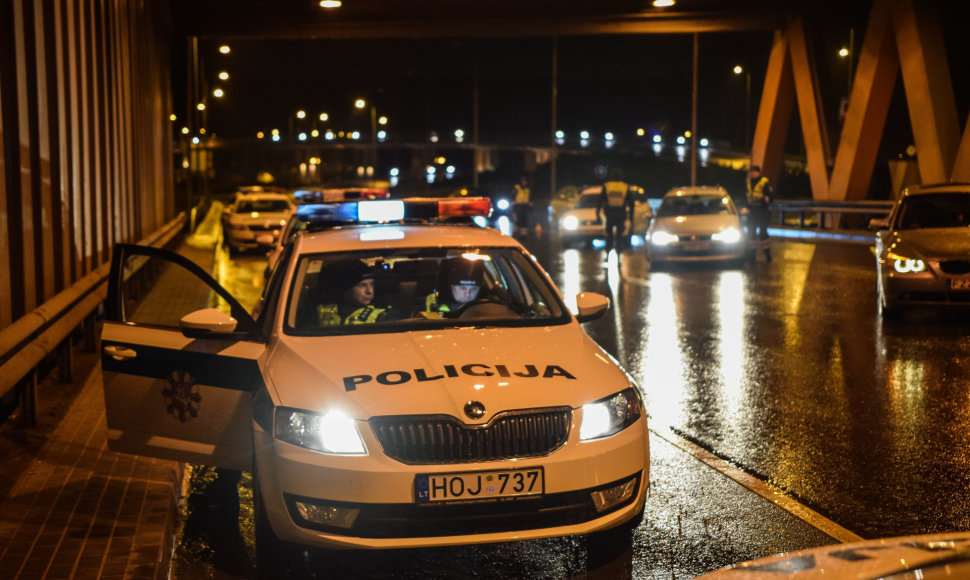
[
  {"x": 223, "y": 76},
  {"x": 301, "y": 114},
  {"x": 382, "y": 120},
  {"x": 382, "y": 136},
  {"x": 172, "y": 117},
  {"x": 440, "y": 160},
  {"x": 218, "y": 93},
  {"x": 843, "y": 52},
  {"x": 330, "y": 3},
  {"x": 360, "y": 103},
  {"x": 260, "y": 134},
  {"x": 200, "y": 106},
  {"x": 276, "y": 137},
  {"x": 608, "y": 136},
  {"x": 560, "y": 134},
  {"x": 224, "y": 49},
  {"x": 641, "y": 132},
  {"x": 434, "y": 137},
  {"x": 584, "y": 134},
  {"x": 195, "y": 140},
  {"x": 355, "y": 135},
  {"x": 275, "y": 132},
  {"x": 328, "y": 135},
  {"x": 302, "y": 136},
  {"x": 687, "y": 133},
  {"x": 324, "y": 116},
  {"x": 315, "y": 133},
  {"x": 658, "y": 139},
  {"x": 663, "y": 3},
  {"x": 737, "y": 69},
  {"x": 395, "y": 172},
  {"x": 681, "y": 140},
  {"x": 185, "y": 130},
  {"x": 704, "y": 142},
  {"x": 459, "y": 135}
]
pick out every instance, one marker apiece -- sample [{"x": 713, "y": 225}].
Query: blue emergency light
[{"x": 412, "y": 209}]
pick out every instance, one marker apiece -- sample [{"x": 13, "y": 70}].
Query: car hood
[
  {"x": 438, "y": 371},
  {"x": 695, "y": 224},
  {"x": 584, "y": 213},
  {"x": 933, "y": 555},
  {"x": 944, "y": 243}
]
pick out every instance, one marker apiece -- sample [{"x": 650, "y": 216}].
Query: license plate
[
  {"x": 696, "y": 246},
  {"x": 958, "y": 283},
  {"x": 479, "y": 485}
]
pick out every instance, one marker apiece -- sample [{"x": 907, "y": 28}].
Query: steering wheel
[{"x": 467, "y": 306}]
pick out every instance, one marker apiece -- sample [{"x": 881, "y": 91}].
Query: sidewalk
[{"x": 76, "y": 510}]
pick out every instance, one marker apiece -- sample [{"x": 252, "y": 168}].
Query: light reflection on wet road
[{"x": 784, "y": 369}]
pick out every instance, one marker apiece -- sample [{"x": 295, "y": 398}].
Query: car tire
[
  {"x": 607, "y": 545},
  {"x": 275, "y": 558}
]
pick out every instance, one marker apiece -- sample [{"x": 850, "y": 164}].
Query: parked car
[
  {"x": 255, "y": 220},
  {"x": 499, "y": 420},
  {"x": 923, "y": 249},
  {"x": 694, "y": 224}
]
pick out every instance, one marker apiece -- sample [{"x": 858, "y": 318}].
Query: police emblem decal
[
  {"x": 182, "y": 395},
  {"x": 474, "y": 410}
]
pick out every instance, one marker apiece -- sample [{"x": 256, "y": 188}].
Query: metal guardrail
[
  {"x": 828, "y": 215},
  {"x": 25, "y": 344}
]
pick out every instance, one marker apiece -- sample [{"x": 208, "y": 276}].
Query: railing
[
  {"x": 845, "y": 216},
  {"x": 47, "y": 330}
]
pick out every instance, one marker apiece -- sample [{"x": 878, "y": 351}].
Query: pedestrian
[
  {"x": 617, "y": 201},
  {"x": 759, "y": 195},
  {"x": 522, "y": 206}
]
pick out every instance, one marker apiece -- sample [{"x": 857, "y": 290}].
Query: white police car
[{"x": 429, "y": 425}]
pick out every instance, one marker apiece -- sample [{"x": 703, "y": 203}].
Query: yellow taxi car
[{"x": 407, "y": 418}]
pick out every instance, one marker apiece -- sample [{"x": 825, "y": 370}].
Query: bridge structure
[{"x": 88, "y": 148}]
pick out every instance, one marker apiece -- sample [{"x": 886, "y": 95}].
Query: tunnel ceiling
[{"x": 482, "y": 18}]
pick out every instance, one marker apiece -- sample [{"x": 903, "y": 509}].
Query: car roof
[
  {"x": 374, "y": 236},
  {"x": 263, "y": 195},
  {"x": 954, "y": 187},
  {"x": 696, "y": 190}
]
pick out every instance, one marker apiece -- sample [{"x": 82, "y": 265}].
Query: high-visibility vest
[
  {"x": 756, "y": 194},
  {"x": 522, "y": 194},
  {"x": 615, "y": 193},
  {"x": 431, "y": 304},
  {"x": 329, "y": 315}
]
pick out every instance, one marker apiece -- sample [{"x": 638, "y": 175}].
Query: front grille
[
  {"x": 955, "y": 266},
  {"x": 263, "y": 227},
  {"x": 444, "y": 439}
]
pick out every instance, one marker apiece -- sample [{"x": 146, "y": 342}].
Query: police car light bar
[{"x": 322, "y": 215}]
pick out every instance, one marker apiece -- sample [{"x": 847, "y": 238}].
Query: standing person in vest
[
  {"x": 759, "y": 195},
  {"x": 618, "y": 203},
  {"x": 522, "y": 206},
  {"x": 352, "y": 282}
]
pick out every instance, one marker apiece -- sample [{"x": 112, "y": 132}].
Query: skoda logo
[{"x": 474, "y": 410}]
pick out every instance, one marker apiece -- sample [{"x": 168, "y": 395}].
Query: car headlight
[
  {"x": 502, "y": 204},
  {"x": 905, "y": 265},
  {"x": 727, "y": 236},
  {"x": 332, "y": 432},
  {"x": 662, "y": 238},
  {"x": 610, "y": 415},
  {"x": 570, "y": 222}
]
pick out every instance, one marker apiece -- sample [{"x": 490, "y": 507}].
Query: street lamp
[
  {"x": 361, "y": 104},
  {"x": 739, "y": 70}
]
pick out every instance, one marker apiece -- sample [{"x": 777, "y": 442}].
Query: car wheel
[
  {"x": 275, "y": 559},
  {"x": 607, "y": 545}
]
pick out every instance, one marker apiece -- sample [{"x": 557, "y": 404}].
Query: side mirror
[
  {"x": 591, "y": 306},
  {"x": 878, "y": 224},
  {"x": 207, "y": 322}
]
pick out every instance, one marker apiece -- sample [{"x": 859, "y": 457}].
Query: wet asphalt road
[{"x": 782, "y": 368}]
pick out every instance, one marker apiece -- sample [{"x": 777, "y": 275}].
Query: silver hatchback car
[{"x": 923, "y": 249}]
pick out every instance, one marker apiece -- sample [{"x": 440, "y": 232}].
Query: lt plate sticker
[{"x": 479, "y": 485}]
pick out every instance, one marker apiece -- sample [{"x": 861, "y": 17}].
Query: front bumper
[
  {"x": 708, "y": 251},
  {"x": 382, "y": 489},
  {"x": 927, "y": 288}
]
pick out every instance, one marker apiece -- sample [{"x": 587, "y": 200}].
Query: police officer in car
[
  {"x": 459, "y": 282},
  {"x": 617, "y": 202},
  {"x": 352, "y": 284}
]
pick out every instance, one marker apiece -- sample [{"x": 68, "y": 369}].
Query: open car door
[{"x": 180, "y": 362}]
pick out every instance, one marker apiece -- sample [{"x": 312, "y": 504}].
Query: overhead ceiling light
[
  {"x": 330, "y": 3},
  {"x": 663, "y": 3}
]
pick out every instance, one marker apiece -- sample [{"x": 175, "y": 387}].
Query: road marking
[{"x": 770, "y": 492}]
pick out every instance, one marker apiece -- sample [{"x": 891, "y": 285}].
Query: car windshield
[
  {"x": 419, "y": 288},
  {"x": 676, "y": 205},
  {"x": 587, "y": 200},
  {"x": 264, "y": 205},
  {"x": 937, "y": 210}
]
